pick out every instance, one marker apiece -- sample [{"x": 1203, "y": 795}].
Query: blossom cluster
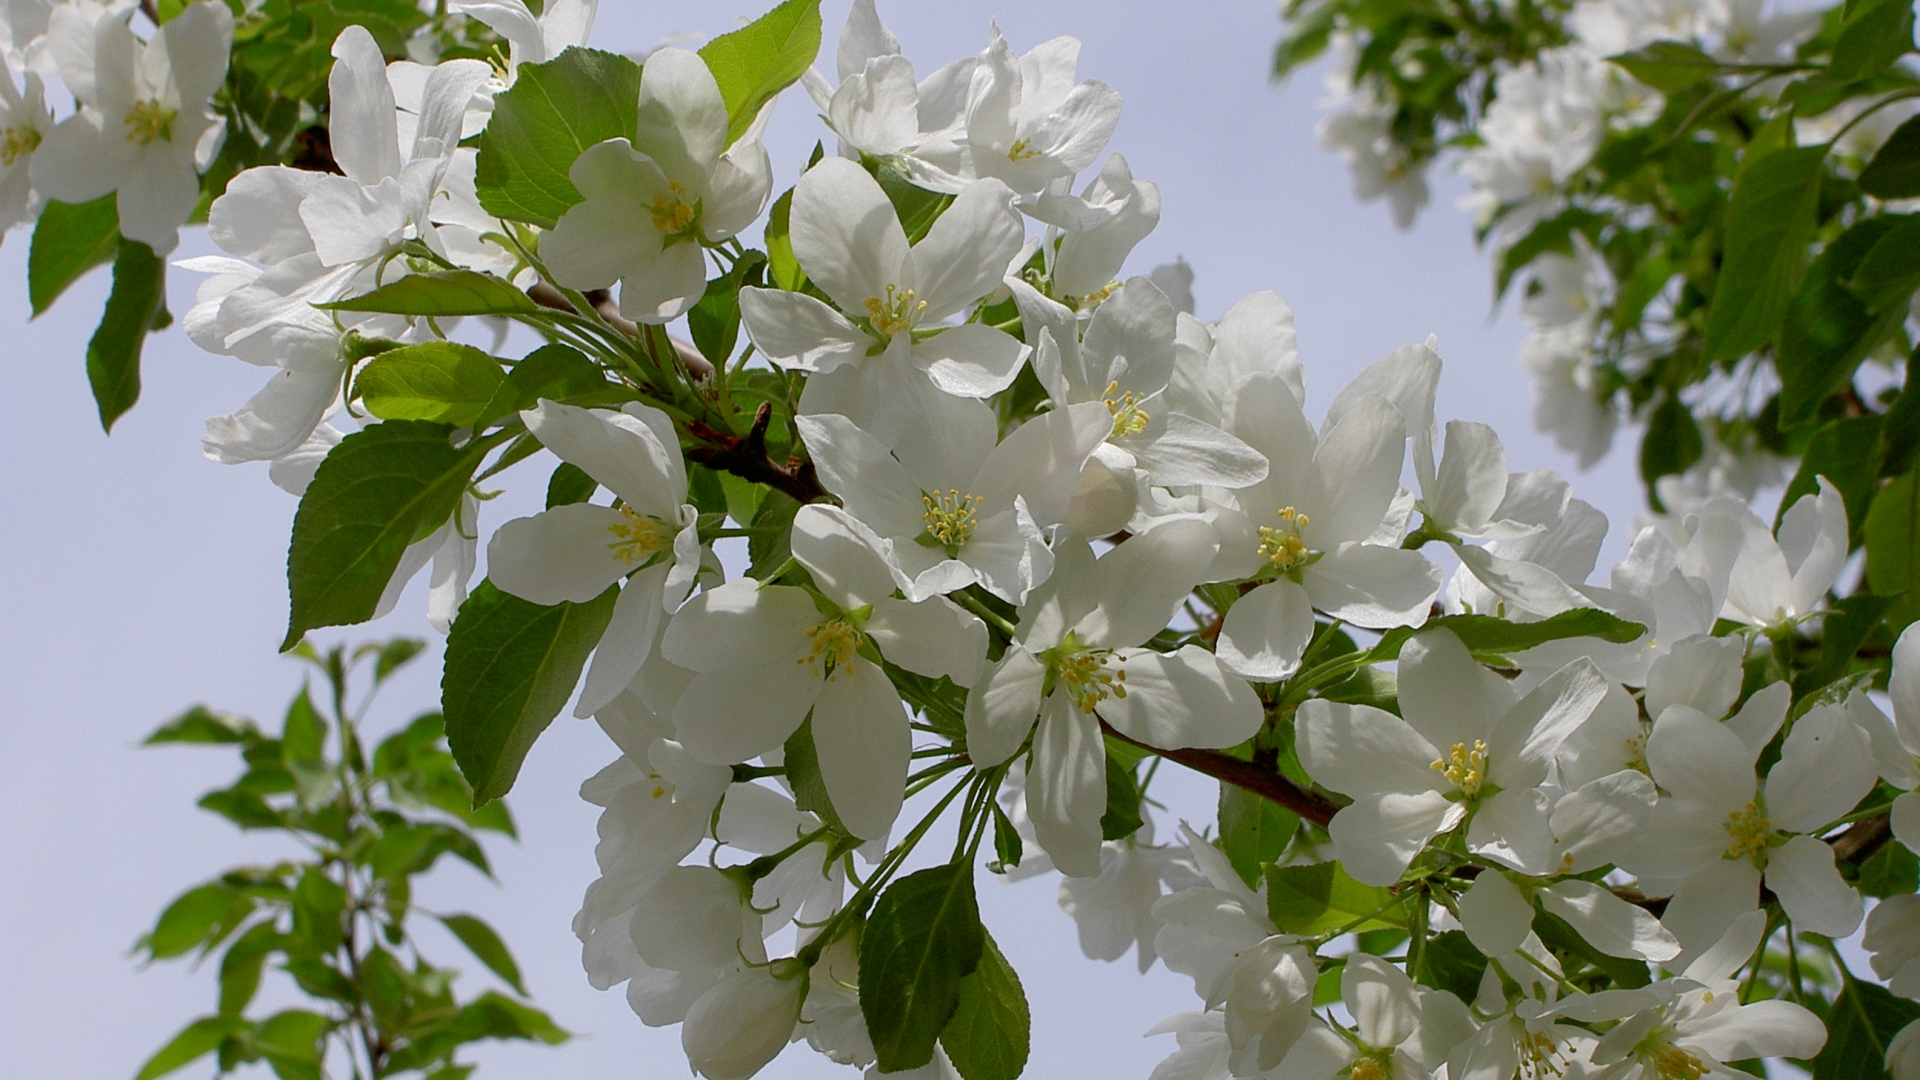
[{"x": 1016, "y": 521}]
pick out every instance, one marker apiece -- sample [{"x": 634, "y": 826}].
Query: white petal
[
  {"x": 1358, "y": 460},
  {"x": 1188, "y": 451},
  {"x": 965, "y": 254},
  {"x": 795, "y": 330},
  {"x": 727, "y": 717},
  {"x": 560, "y": 555},
  {"x": 1526, "y": 586},
  {"x": 1384, "y": 1003},
  {"x": 1826, "y": 767},
  {"x": 1183, "y": 698},
  {"x": 973, "y": 361},
  {"x": 1904, "y": 687},
  {"x": 1359, "y": 750},
  {"x": 1760, "y": 717},
  {"x": 1813, "y": 537},
  {"x": 1067, "y": 789},
  {"x": 860, "y": 730},
  {"x": 682, "y": 117},
  {"x": 1701, "y": 759},
  {"x": 275, "y": 421},
  {"x": 1801, "y": 873},
  {"x": 936, "y": 638},
  {"x": 1377, "y": 836},
  {"x": 658, "y": 288},
  {"x": 1905, "y": 820},
  {"x": 1763, "y": 1029},
  {"x": 1495, "y": 916},
  {"x": 1141, "y": 583},
  {"x": 628, "y": 639},
  {"x": 741, "y": 625},
  {"x": 1445, "y": 695},
  {"x": 1041, "y": 460},
  {"x": 1710, "y": 902},
  {"x": 363, "y": 135},
  {"x": 620, "y": 450},
  {"x": 1472, "y": 477},
  {"x": 1591, "y": 822},
  {"x": 846, "y": 235},
  {"x": 1002, "y": 708},
  {"x": 1703, "y": 672},
  {"x": 1511, "y": 828},
  {"x": 1609, "y": 923},
  {"x": 1266, "y": 631},
  {"x": 690, "y": 920},
  {"x": 842, "y": 555},
  {"x": 1373, "y": 586}
]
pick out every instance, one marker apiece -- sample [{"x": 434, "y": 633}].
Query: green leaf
[
  {"x": 1845, "y": 628},
  {"x": 1893, "y": 547},
  {"x": 768, "y": 547},
  {"x": 69, "y": 240},
  {"x": 542, "y": 123},
  {"x": 1008, "y": 848},
  {"x": 569, "y": 484},
  {"x": 1860, "y": 1024},
  {"x": 555, "y": 372},
  {"x": 202, "y": 725},
  {"x": 1315, "y": 899},
  {"x": 1668, "y": 66},
  {"x": 923, "y": 939},
  {"x": 113, "y": 353},
  {"x": 199, "y": 916},
  {"x": 1553, "y": 234},
  {"x": 372, "y": 496},
  {"x": 990, "y": 1033},
  {"x": 391, "y": 656},
  {"x": 916, "y": 207},
  {"x": 1122, "y": 816},
  {"x": 196, "y": 1040},
  {"x": 714, "y": 322},
  {"x": 492, "y": 1016},
  {"x": 1873, "y": 37},
  {"x": 1894, "y": 172},
  {"x": 1451, "y": 963},
  {"x": 1847, "y": 452},
  {"x": 486, "y": 947},
  {"x": 441, "y": 381},
  {"x": 1891, "y": 271},
  {"x": 783, "y": 267},
  {"x": 1488, "y": 636},
  {"x": 1253, "y": 831},
  {"x": 442, "y": 295},
  {"x": 1769, "y": 223},
  {"x": 803, "y": 775},
  {"x": 242, "y": 966},
  {"x": 762, "y": 58},
  {"x": 1828, "y": 329},
  {"x": 293, "y": 1041},
  {"x": 1672, "y": 442},
  {"x": 1893, "y": 871},
  {"x": 1900, "y": 428},
  {"x": 511, "y": 665}
]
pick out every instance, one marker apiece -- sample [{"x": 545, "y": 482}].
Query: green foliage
[
  {"x": 1254, "y": 832},
  {"x": 803, "y": 775},
  {"x": 1668, "y": 66},
  {"x": 1321, "y": 898},
  {"x": 1893, "y": 547},
  {"x": 1490, "y": 637},
  {"x": 923, "y": 940},
  {"x": 1123, "y": 815},
  {"x": 1860, "y": 1024},
  {"x": 336, "y": 921},
  {"x": 439, "y": 381},
  {"x": 757, "y": 61},
  {"x": 137, "y": 303},
  {"x": 69, "y": 240},
  {"x": 511, "y": 665},
  {"x": 990, "y": 1033},
  {"x": 542, "y": 123},
  {"x": 444, "y": 295},
  {"x": 1770, "y": 220},
  {"x": 1894, "y": 172}
]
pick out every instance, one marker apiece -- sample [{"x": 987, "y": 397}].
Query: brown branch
[
  {"x": 747, "y": 458},
  {"x": 1262, "y": 780}
]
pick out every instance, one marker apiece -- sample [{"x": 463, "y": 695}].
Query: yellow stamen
[
  {"x": 1467, "y": 769},
  {"x": 834, "y": 644},
  {"x": 1128, "y": 417},
  {"x": 1282, "y": 545},
  {"x": 1369, "y": 1069},
  {"x": 1539, "y": 1056},
  {"x": 1092, "y": 300},
  {"x": 1748, "y": 831},
  {"x": 1637, "y": 754},
  {"x": 900, "y": 310},
  {"x": 1673, "y": 1063},
  {"x": 638, "y": 537},
  {"x": 1022, "y": 150},
  {"x": 1087, "y": 680},
  {"x": 17, "y": 142},
  {"x": 672, "y": 213},
  {"x": 149, "y": 120},
  {"x": 950, "y": 517}
]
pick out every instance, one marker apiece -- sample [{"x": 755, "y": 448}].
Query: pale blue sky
[{"x": 137, "y": 578}]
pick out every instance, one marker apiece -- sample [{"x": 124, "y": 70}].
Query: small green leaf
[
  {"x": 569, "y": 484},
  {"x": 442, "y": 295},
  {"x": 1874, "y": 36},
  {"x": 1122, "y": 816},
  {"x": 1769, "y": 223},
  {"x": 1891, "y": 270},
  {"x": 757, "y": 61},
  {"x": 1008, "y": 848},
  {"x": 783, "y": 268},
  {"x": 1860, "y": 1024},
  {"x": 1253, "y": 831},
  {"x": 493, "y": 1016},
  {"x": 916, "y": 207},
  {"x": 113, "y": 353},
  {"x": 803, "y": 775},
  {"x": 1668, "y": 66},
  {"x": 1672, "y": 442},
  {"x": 441, "y": 381},
  {"x": 486, "y": 946},
  {"x": 202, "y": 725},
  {"x": 196, "y": 1040},
  {"x": 199, "y": 916},
  {"x": 1893, "y": 870},
  {"x": 1828, "y": 329},
  {"x": 1488, "y": 636},
  {"x": 69, "y": 240},
  {"x": 511, "y": 665},
  {"x": 991, "y": 1031},
  {"x": 923, "y": 940},
  {"x": 1450, "y": 962},
  {"x": 1894, "y": 172},
  {"x": 293, "y": 1041},
  {"x": 1900, "y": 428},
  {"x": 556, "y": 372},
  {"x": 1847, "y": 452},
  {"x": 1321, "y": 897},
  {"x": 369, "y": 500},
  {"x": 242, "y": 965},
  {"x": 1893, "y": 547},
  {"x": 542, "y": 123},
  {"x": 714, "y": 322}
]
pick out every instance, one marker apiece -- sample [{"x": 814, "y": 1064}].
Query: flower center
[
  {"x": 638, "y": 537},
  {"x": 672, "y": 214},
  {"x": 1369, "y": 1068},
  {"x": 149, "y": 120},
  {"x": 17, "y": 142},
  {"x": 901, "y": 310},
  {"x": 1022, "y": 150},
  {"x": 1466, "y": 769},
  {"x": 1637, "y": 754},
  {"x": 1282, "y": 545},
  {"x": 1087, "y": 680},
  {"x": 1673, "y": 1063},
  {"x": 1748, "y": 831},
  {"x": 1539, "y": 1056},
  {"x": 950, "y": 517},
  {"x": 834, "y": 645},
  {"x": 1092, "y": 300},
  {"x": 1128, "y": 417}
]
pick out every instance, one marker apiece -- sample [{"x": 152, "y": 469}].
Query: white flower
[
  {"x": 880, "y": 112},
  {"x": 954, "y": 507},
  {"x": 1306, "y": 530},
  {"x": 1400, "y": 1030},
  {"x": 744, "y": 1022},
  {"x": 1497, "y": 915},
  {"x": 1255, "y": 337},
  {"x": 767, "y": 656},
  {"x": 1029, "y": 123},
  {"x": 1721, "y": 831},
  {"x": 1770, "y": 583},
  {"x": 1468, "y": 749},
  {"x": 532, "y": 39},
  {"x": 1566, "y": 406},
  {"x": 1896, "y": 745},
  {"x": 146, "y": 128},
  {"x": 848, "y": 239},
  {"x": 1075, "y": 661},
  {"x": 1647, "y": 587},
  {"x": 452, "y": 549},
  {"x": 1893, "y": 939},
  {"x": 1362, "y": 135},
  {"x": 1099, "y": 228},
  {"x": 652, "y": 202},
  {"x": 1114, "y": 911},
  {"x": 25, "y": 122}
]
